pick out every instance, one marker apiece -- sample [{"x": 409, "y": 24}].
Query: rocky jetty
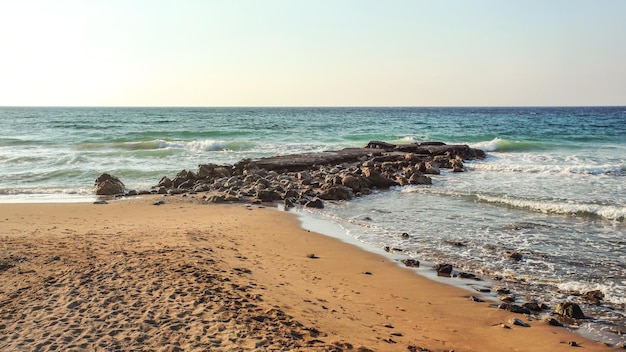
[{"x": 309, "y": 179}]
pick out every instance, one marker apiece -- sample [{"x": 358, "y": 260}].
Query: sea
[{"x": 551, "y": 189}]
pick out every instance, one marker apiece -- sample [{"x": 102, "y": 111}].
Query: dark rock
[
  {"x": 411, "y": 263},
  {"x": 108, "y": 185},
  {"x": 419, "y": 179},
  {"x": 594, "y": 297},
  {"x": 569, "y": 310},
  {"x": 518, "y": 322},
  {"x": 315, "y": 203},
  {"x": 380, "y": 145},
  {"x": 552, "y": 321},
  {"x": 514, "y": 308},
  {"x": 336, "y": 192},
  {"x": 443, "y": 269},
  {"x": 464, "y": 275},
  {"x": 376, "y": 179},
  {"x": 101, "y": 201},
  {"x": 534, "y": 306},
  {"x": 165, "y": 182},
  {"x": 405, "y": 235},
  {"x": 515, "y": 256},
  {"x": 507, "y": 298},
  {"x": 476, "y": 299}
]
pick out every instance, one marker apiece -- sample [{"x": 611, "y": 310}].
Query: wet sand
[{"x": 183, "y": 276}]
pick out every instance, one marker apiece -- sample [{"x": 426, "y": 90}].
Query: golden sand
[{"x": 183, "y": 276}]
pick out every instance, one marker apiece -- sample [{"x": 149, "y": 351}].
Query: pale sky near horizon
[{"x": 312, "y": 53}]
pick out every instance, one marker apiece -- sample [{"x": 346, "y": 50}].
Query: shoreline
[{"x": 264, "y": 278}]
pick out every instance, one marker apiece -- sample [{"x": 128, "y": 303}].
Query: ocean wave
[
  {"x": 609, "y": 291},
  {"x": 608, "y": 212},
  {"x": 205, "y": 145},
  {"x": 505, "y": 145},
  {"x": 550, "y": 168}
]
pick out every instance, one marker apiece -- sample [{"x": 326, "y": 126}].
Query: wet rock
[
  {"x": 552, "y": 321},
  {"x": 534, "y": 306},
  {"x": 501, "y": 290},
  {"x": 476, "y": 299},
  {"x": 108, "y": 185},
  {"x": 336, "y": 192},
  {"x": 514, "y": 308},
  {"x": 569, "y": 310},
  {"x": 405, "y": 235},
  {"x": 376, "y": 179},
  {"x": 419, "y": 179},
  {"x": 464, "y": 275},
  {"x": 443, "y": 269},
  {"x": 593, "y": 297},
  {"x": 517, "y": 256},
  {"x": 411, "y": 263},
  {"x": 507, "y": 298},
  {"x": 315, "y": 203},
  {"x": 518, "y": 322}
]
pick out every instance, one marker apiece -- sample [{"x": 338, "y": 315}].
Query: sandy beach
[{"x": 183, "y": 276}]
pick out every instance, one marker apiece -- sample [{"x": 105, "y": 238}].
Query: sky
[{"x": 312, "y": 53}]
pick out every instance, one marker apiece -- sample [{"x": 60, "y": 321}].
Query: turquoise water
[{"x": 551, "y": 188}]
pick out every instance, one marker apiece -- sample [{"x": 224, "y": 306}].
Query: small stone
[
  {"x": 507, "y": 298},
  {"x": 405, "y": 235},
  {"x": 476, "y": 299},
  {"x": 518, "y": 322},
  {"x": 367, "y": 273},
  {"x": 312, "y": 256},
  {"x": 552, "y": 321},
  {"x": 101, "y": 201},
  {"x": 158, "y": 202},
  {"x": 411, "y": 263},
  {"x": 515, "y": 256},
  {"x": 573, "y": 344}
]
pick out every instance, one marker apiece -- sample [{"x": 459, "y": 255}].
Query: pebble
[{"x": 519, "y": 322}]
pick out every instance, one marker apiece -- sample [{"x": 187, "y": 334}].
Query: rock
[
  {"x": 336, "y": 192},
  {"x": 443, "y": 269},
  {"x": 534, "y": 306},
  {"x": 457, "y": 165},
  {"x": 411, "y": 263},
  {"x": 501, "y": 290},
  {"x": 569, "y": 310},
  {"x": 552, "y": 321},
  {"x": 464, "y": 275},
  {"x": 405, "y": 235},
  {"x": 101, "y": 201},
  {"x": 594, "y": 297},
  {"x": 376, "y": 179},
  {"x": 165, "y": 182},
  {"x": 476, "y": 299},
  {"x": 315, "y": 203},
  {"x": 515, "y": 256},
  {"x": 507, "y": 298},
  {"x": 380, "y": 145},
  {"x": 514, "y": 308},
  {"x": 419, "y": 179},
  {"x": 518, "y": 322},
  {"x": 108, "y": 185},
  {"x": 432, "y": 168}
]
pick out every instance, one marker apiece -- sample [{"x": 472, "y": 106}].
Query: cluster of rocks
[{"x": 311, "y": 178}]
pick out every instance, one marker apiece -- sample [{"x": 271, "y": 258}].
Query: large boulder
[{"x": 108, "y": 185}]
